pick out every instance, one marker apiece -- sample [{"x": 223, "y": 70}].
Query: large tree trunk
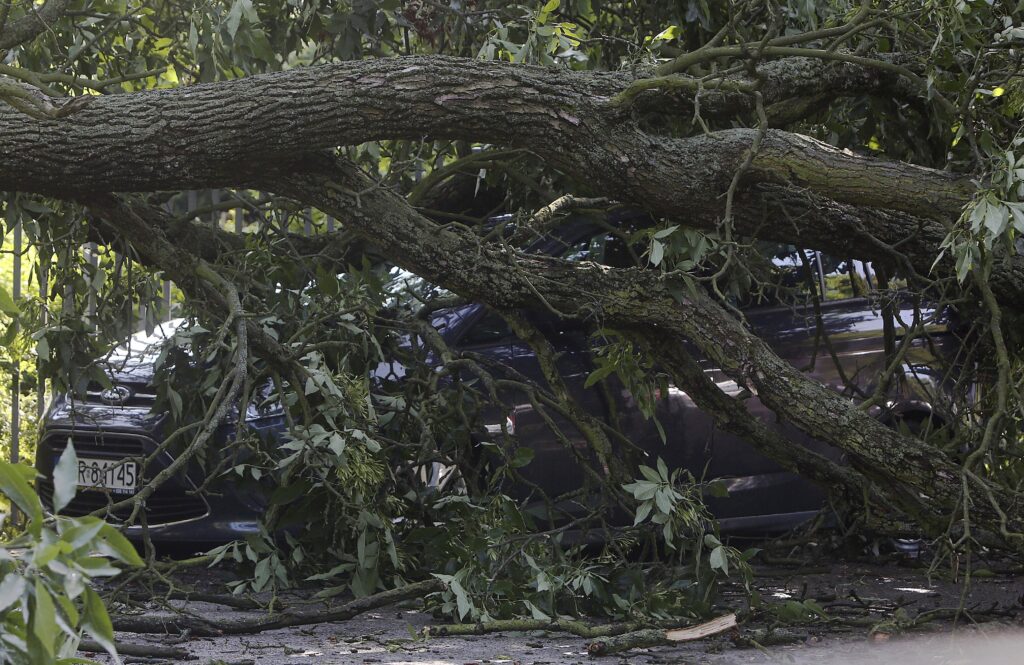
[{"x": 230, "y": 133}]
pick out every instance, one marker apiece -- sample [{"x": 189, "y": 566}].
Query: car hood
[{"x": 134, "y": 362}]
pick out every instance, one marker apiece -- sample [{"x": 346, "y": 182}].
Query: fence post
[
  {"x": 16, "y": 371},
  {"x": 214, "y": 201},
  {"x": 44, "y": 286}
]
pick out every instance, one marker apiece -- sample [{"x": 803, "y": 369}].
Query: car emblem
[{"x": 117, "y": 395}]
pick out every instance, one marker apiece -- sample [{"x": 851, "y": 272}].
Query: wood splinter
[{"x": 660, "y": 637}]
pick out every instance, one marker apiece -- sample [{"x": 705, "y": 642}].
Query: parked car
[{"x": 111, "y": 425}]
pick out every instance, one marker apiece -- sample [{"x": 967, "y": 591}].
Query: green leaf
[
  {"x": 96, "y": 622},
  {"x": 250, "y": 11},
  {"x": 10, "y": 334},
  {"x": 551, "y": 6},
  {"x": 657, "y": 252},
  {"x": 1017, "y": 210},
  {"x": 645, "y": 491},
  {"x": 7, "y": 304},
  {"x": 176, "y": 404},
  {"x": 193, "y": 37},
  {"x": 461, "y": 599},
  {"x": 664, "y": 504},
  {"x": 117, "y": 546},
  {"x": 717, "y": 489},
  {"x": 642, "y": 512},
  {"x": 719, "y": 559},
  {"x": 650, "y": 474},
  {"x": 664, "y": 233},
  {"x": 12, "y": 587},
  {"x": 536, "y": 612},
  {"x": 261, "y": 574},
  {"x": 996, "y": 219},
  {"x": 598, "y": 374},
  {"x": 668, "y": 34},
  {"x": 44, "y": 618},
  {"x": 235, "y": 17},
  {"x": 65, "y": 478},
  {"x": 14, "y": 484},
  {"x": 522, "y": 457}
]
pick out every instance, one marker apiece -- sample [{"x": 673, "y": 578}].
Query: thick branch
[
  {"x": 225, "y": 134},
  {"x": 228, "y": 133},
  {"x": 244, "y": 626},
  {"x": 919, "y": 479}
]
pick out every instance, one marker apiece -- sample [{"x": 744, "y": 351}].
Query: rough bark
[
  {"x": 32, "y": 24},
  {"x": 227, "y": 133}
]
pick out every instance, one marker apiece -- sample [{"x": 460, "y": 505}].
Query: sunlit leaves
[
  {"x": 46, "y": 598},
  {"x": 65, "y": 477},
  {"x": 14, "y": 484},
  {"x": 535, "y": 36},
  {"x": 7, "y": 304},
  {"x": 995, "y": 218}
]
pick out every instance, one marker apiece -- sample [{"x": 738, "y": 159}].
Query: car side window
[
  {"x": 844, "y": 278},
  {"x": 807, "y": 272}
]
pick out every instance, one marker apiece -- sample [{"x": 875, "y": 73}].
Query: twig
[
  {"x": 145, "y": 650},
  {"x": 215, "y": 628},
  {"x": 577, "y": 628}
]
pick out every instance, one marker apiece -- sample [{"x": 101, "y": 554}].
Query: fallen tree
[{"x": 749, "y": 126}]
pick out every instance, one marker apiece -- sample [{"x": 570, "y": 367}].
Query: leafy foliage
[{"x": 47, "y": 599}]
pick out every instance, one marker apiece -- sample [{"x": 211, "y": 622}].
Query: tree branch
[
  {"x": 32, "y": 24},
  {"x": 920, "y": 479}
]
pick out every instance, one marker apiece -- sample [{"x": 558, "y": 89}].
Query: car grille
[
  {"x": 98, "y": 444},
  {"x": 164, "y": 506},
  {"x": 141, "y": 394},
  {"x": 160, "y": 508}
]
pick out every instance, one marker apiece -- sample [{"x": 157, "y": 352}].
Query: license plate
[{"x": 118, "y": 476}]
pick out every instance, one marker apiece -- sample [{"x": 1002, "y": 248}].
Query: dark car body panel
[{"x": 762, "y": 495}]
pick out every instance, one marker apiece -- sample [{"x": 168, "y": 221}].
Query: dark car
[{"x": 840, "y": 344}]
